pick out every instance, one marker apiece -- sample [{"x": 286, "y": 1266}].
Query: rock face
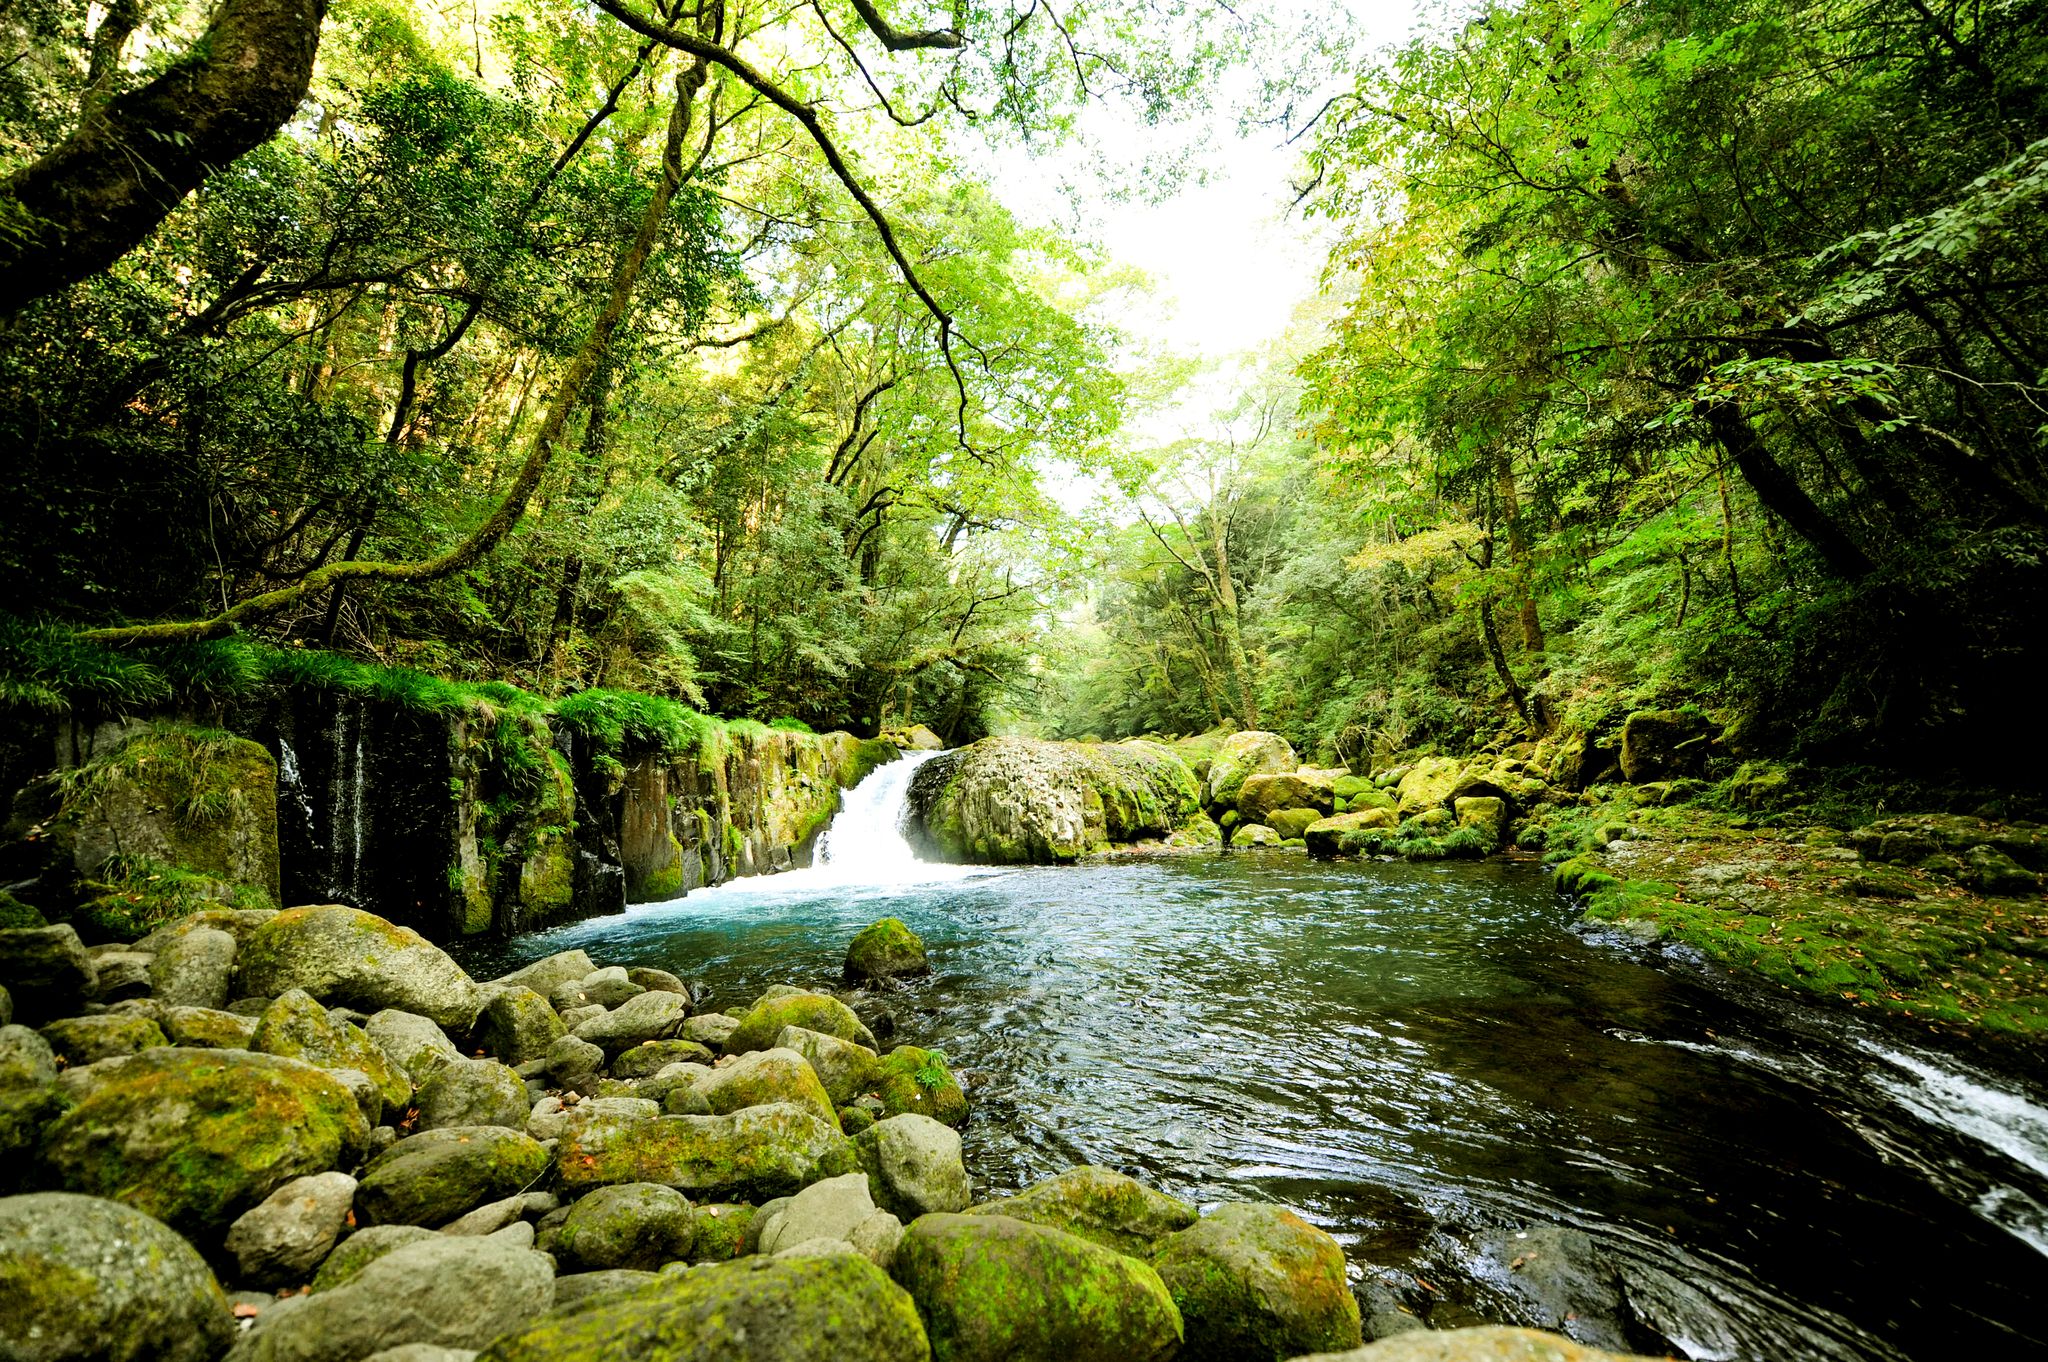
[
  {"x": 433, "y": 1177},
  {"x": 1013, "y": 801},
  {"x": 82, "y": 1278},
  {"x": 885, "y": 950},
  {"x": 346, "y": 956},
  {"x": 1104, "y": 1207},
  {"x": 196, "y": 1137},
  {"x": 1258, "y": 1282},
  {"x": 819, "y": 1309},
  {"x": 751, "y": 1155},
  {"x": 1241, "y": 756},
  {"x": 992, "y": 1287}
]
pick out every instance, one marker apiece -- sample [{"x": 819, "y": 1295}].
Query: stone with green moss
[
  {"x": 1428, "y": 784},
  {"x": 363, "y": 1248},
  {"x": 764, "y": 1076},
  {"x": 885, "y": 950},
  {"x": 14, "y": 913},
  {"x": 1009, "y": 801},
  {"x": 995, "y": 1288},
  {"x": 632, "y": 1225},
  {"x": 911, "y": 1079},
  {"x": 1099, "y": 1205},
  {"x": 1254, "y": 835},
  {"x": 650, "y": 1057},
  {"x": 47, "y": 970},
  {"x": 88, "y": 1040},
  {"x": 1325, "y": 836},
  {"x": 347, "y": 956},
  {"x": 823, "y": 1309},
  {"x": 24, "y": 1114},
  {"x": 296, "y": 1026},
  {"x": 473, "y": 1092},
  {"x": 193, "y": 966},
  {"x": 1485, "y": 814},
  {"x": 763, "y": 1022},
  {"x": 847, "y": 1069},
  {"x": 518, "y": 1025},
  {"x": 751, "y": 1155},
  {"x": 208, "y": 1028},
  {"x": 1293, "y": 824},
  {"x": 1257, "y": 1283},
  {"x": 437, "y": 1175},
  {"x": 196, "y": 1137},
  {"x": 719, "y": 1231},
  {"x": 1479, "y": 1344},
  {"x": 85, "y": 1278},
  {"x": 1350, "y": 786},
  {"x": 1240, "y": 756},
  {"x": 26, "y": 1059},
  {"x": 1269, "y": 792}
]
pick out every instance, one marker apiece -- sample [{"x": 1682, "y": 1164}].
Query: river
[{"x": 1426, "y": 1059}]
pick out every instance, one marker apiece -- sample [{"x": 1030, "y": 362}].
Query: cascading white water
[{"x": 866, "y": 842}]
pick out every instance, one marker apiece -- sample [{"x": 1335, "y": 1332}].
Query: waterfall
[{"x": 866, "y": 842}]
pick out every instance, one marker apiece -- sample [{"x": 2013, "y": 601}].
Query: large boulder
[
  {"x": 993, "y": 1289},
  {"x": 633, "y": 1225},
  {"x": 46, "y": 971},
  {"x": 545, "y": 976},
  {"x": 26, "y": 1059},
  {"x": 1243, "y": 755},
  {"x": 832, "y": 1208},
  {"x": 446, "y": 1291},
  {"x": 473, "y": 1092},
  {"x": 643, "y": 1017},
  {"x": 650, "y": 1057},
  {"x": 433, "y": 1177},
  {"x": 1428, "y": 785},
  {"x": 1662, "y": 744},
  {"x": 1486, "y": 814},
  {"x": 282, "y": 1240},
  {"x": 764, "y": 1076},
  {"x": 1105, "y": 1207},
  {"x": 1489, "y": 1344},
  {"x": 88, "y": 1040},
  {"x": 913, "y": 1165},
  {"x": 88, "y": 1280},
  {"x": 193, "y": 967},
  {"x": 913, "y": 1080},
  {"x": 363, "y": 1248},
  {"x": 846, "y": 1068},
  {"x": 347, "y": 956},
  {"x": 1272, "y": 792},
  {"x": 1014, "y": 801},
  {"x": 416, "y": 1044},
  {"x": 518, "y": 1025},
  {"x": 885, "y": 950},
  {"x": 296, "y": 1026},
  {"x": 751, "y": 1155},
  {"x": 207, "y": 1028},
  {"x": 820, "y": 1012},
  {"x": 1325, "y": 836},
  {"x": 1258, "y": 1282},
  {"x": 196, "y": 1137},
  {"x": 815, "y": 1309}
]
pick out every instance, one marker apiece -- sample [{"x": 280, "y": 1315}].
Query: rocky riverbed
[{"x": 310, "y": 1135}]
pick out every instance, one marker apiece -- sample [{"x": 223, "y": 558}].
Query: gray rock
[
  {"x": 670, "y": 1078},
  {"x": 416, "y": 1044},
  {"x": 363, "y": 1248},
  {"x": 574, "y": 1014},
  {"x": 296, "y": 1026},
  {"x": 344, "y": 955},
  {"x": 120, "y": 974},
  {"x": 543, "y": 976},
  {"x": 581, "y": 1286},
  {"x": 488, "y": 1218},
  {"x": 433, "y": 1177},
  {"x": 423, "y": 1352},
  {"x": 764, "y": 1076},
  {"x": 710, "y": 1029},
  {"x": 46, "y": 970},
  {"x": 447, "y": 1292},
  {"x": 608, "y": 987},
  {"x": 369, "y": 1098},
  {"x": 634, "y": 1225},
  {"x": 657, "y": 980},
  {"x": 754, "y": 1153},
  {"x": 877, "y": 1238},
  {"x": 651, "y": 1057},
  {"x": 26, "y": 1060},
  {"x": 88, "y": 1040},
  {"x": 913, "y": 1165},
  {"x": 518, "y": 1234},
  {"x": 646, "y": 1016},
  {"x": 1484, "y": 1344},
  {"x": 473, "y": 1092},
  {"x": 686, "y": 1101},
  {"x": 575, "y": 1064},
  {"x": 1258, "y": 1281},
  {"x": 194, "y": 968},
  {"x": 6, "y": 1007},
  {"x": 208, "y": 1028},
  {"x": 282, "y": 1240},
  {"x": 91, "y": 1279},
  {"x": 1113, "y": 1210},
  {"x": 517, "y": 1026},
  {"x": 551, "y": 1119},
  {"x": 828, "y": 1209},
  {"x": 845, "y": 1068}
]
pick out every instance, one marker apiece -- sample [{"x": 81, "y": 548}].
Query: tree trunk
[
  {"x": 1233, "y": 636},
  {"x": 1781, "y": 493}
]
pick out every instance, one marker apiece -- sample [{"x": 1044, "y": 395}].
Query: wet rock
[
  {"x": 1473, "y": 1345},
  {"x": 914, "y": 1166},
  {"x": 194, "y": 968},
  {"x": 651, "y": 1057},
  {"x": 1258, "y": 1282},
  {"x": 1241, "y": 756},
  {"x": 196, "y": 1137},
  {"x": 545, "y": 976},
  {"x": 917, "y": 1081},
  {"x": 633, "y": 1225},
  {"x": 836, "y": 1309},
  {"x": 1254, "y": 835},
  {"x": 1104, "y": 1207},
  {"x": 990, "y": 1287},
  {"x": 415, "y": 1043},
  {"x": 643, "y": 1017},
  {"x": 26, "y": 1059},
  {"x": 297, "y": 1027},
  {"x": 885, "y": 950},
  {"x": 363, "y": 1248},
  {"x": 575, "y": 1064},
  {"x": 753, "y": 1154},
  {"x": 845, "y": 1068},
  {"x": 207, "y": 1028},
  {"x": 433, "y": 1177},
  {"x": 46, "y": 971},
  {"x": 86, "y": 1279},
  {"x": 344, "y": 955},
  {"x": 765, "y": 1076},
  {"x": 473, "y": 1092},
  {"x": 284, "y": 1238},
  {"x": 444, "y": 1292},
  {"x": 710, "y": 1029},
  {"x": 517, "y": 1026},
  {"x": 811, "y": 1011}
]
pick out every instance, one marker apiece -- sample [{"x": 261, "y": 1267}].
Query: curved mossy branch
[
  {"x": 95, "y": 196},
  {"x": 625, "y": 276}
]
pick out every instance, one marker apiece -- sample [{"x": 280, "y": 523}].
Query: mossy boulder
[
  {"x": 363, "y": 1248},
  {"x": 635, "y": 1224},
  {"x": 1428, "y": 785},
  {"x": 995, "y": 1289},
  {"x": 846, "y": 1068},
  {"x": 751, "y": 1155},
  {"x": 88, "y": 1040},
  {"x": 546, "y": 975},
  {"x": 641, "y": 1018},
  {"x": 46, "y": 972},
  {"x": 651, "y": 1057},
  {"x": 831, "y": 1309},
  {"x": 1350, "y": 786},
  {"x": 1269, "y": 792},
  {"x": 296, "y": 1026},
  {"x": 193, "y": 966},
  {"x": 1257, "y": 1283},
  {"x": 885, "y": 950},
  {"x": 437, "y": 1175},
  {"x": 518, "y": 1025},
  {"x": 910, "y": 1079},
  {"x": 1487, "y": 815},
  {"x": 1660, "y": 744},
  {"x": 1019, "y": 801},
  {"x": 719, "y": 1231},
  {"x": 347, "y": 956},
  {"x": 208, "y": 1028},
  {"x": 1254, "y": 835},
  {"x": 196, "y": 1137},
  {"x": 811, "y": 1011},
  {"x": 1101, "y": 1206},
  {"x": 1325, "y": 836},
  {"x": 473, "y": 1092},
  {"x": 1293, "y": 824},
  {"x": 1241, "y": 756},
  {"x": 83, "y": 1279},
  {"x": 913, "y": 1165},
  {"x": 414, "y": 1043},
  {"x": 764, "y": 1076},
  {"x": 26, "y": 1059}
]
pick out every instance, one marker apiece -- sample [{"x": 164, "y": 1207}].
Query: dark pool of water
[{"x": 1418, "y": 1056}]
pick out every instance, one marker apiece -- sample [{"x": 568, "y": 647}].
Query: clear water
[{"x": 1414, "y": 1054}]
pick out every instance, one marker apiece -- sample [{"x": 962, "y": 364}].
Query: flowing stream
[{"x": 1426, "y": 1060}]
